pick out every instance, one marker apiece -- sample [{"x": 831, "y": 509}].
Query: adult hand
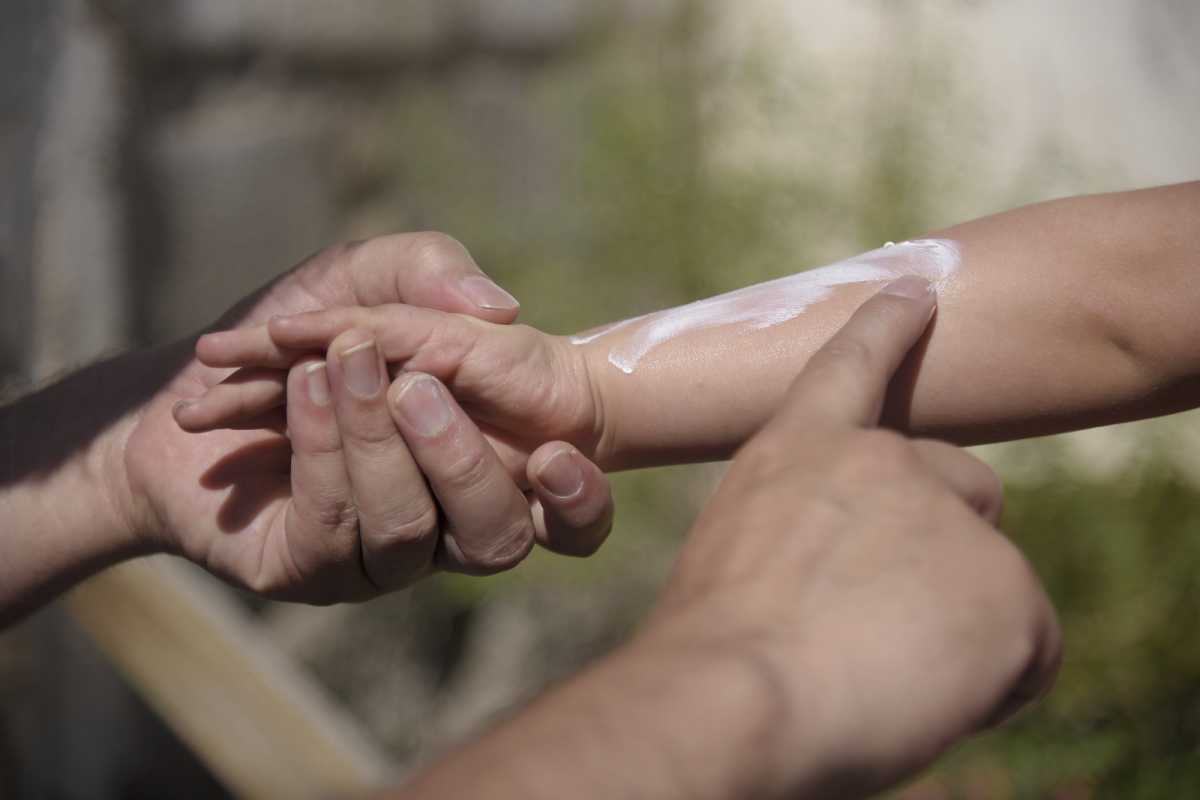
[
  {"x": 328, "y": 503},
  {"x": 862, "y": 574}
]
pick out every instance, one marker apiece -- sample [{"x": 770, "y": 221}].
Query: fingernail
[
  {"x": 317, "y": 380},
  {"x": 360, "y": 367},
  {"x": 913, "y": 287},
  {"x": 487, "y": 295},
  {"x": 423, "y": 404},
  {"x": 561, "y": 475},
  {"x": 183, "y": 404}
]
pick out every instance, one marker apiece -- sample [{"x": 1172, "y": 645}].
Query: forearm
[
  {"x": 1061, "y": 315},
  {"x": 61, "y": 488},
  {"x": 640, "y": 724}
]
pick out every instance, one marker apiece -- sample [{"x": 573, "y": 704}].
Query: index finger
[{"x": 846, "y": 381}]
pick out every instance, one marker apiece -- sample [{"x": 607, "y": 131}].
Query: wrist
[
  {"x": 679, "y": 725},
  {"x": 706, "y": 717},
  {"x": 144, "y": 405},
  {"x": 604, "y": 400},
  {"x": 783, "y": 700},
  {"x": 62, "y": 495},
  {"x": 133, "y": 527}
]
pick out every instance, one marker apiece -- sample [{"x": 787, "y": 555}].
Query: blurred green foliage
[
  {"x": 1122, "y": 565},
  {"x": 632, "y": 214}
]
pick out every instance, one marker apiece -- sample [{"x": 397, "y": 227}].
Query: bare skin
[
  {"x": 746, "y": 681},
  {"x": 96, "y": 469},
  {"x": 1064, "y": 315},
  {"x": 804, "y": 646}
]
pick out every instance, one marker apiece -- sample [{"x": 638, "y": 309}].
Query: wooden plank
[{"x": 264, "y": 727}]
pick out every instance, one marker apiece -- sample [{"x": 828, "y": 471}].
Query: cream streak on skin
[{"x": 766, "y": 304}]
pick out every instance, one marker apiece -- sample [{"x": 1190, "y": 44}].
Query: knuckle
[
  {"x": 410, "y": 522},
  {"x": 359, "y": 257},
  {"x": 338, "y": 258},
  {"x": 432, "y": 250},
  {"x": 465, "y": 474},
  {"x": 335, "y": 513},
  {"x": 505, "y": 550},
  {"x": 378, "y": 255},
  {"x": 371, "y": 437},
  {"x": 339, "y": 253}
]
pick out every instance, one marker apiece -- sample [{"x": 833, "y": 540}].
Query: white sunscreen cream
[{"x": 766, "y": 304}]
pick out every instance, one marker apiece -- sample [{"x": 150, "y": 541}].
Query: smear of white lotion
[{"x": 766, "y": 304}]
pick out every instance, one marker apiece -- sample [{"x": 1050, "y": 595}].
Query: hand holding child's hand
[{"x": 528, "y": 393}]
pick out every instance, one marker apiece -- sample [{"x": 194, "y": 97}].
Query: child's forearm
[{"x": 1060, "y": 315}]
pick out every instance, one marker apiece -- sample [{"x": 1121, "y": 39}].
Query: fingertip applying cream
[{"x": 930, "y": 263}]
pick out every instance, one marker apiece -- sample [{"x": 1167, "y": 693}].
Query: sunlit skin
[
  {"x": 804, "y": 647},
  {"x": 746, "y": 680},
  {"x": 1063, "y": 315},
  {"x": 95, "y": 468}
]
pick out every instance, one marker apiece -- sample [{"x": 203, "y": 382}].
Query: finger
[
  {"x": 846, "y": 380},
  {"x": 427, "y": 269},
  {"x": 971, "y": 479},
  {"x": 488, "y": 527},
  {"x": 243, "y": 347},
  {"x": 398, "y": 520},
  {"x": 402, "y": 332},
  {"x": 573, "y": 509},
  {"x": 245, "y": 395},
  {"x": 321, "y": 538}
]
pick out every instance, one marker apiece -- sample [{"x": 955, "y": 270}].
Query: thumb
[{"x": 427, "y": 269}]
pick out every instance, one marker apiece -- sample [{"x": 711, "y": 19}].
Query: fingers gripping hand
[
  {"x": 489, "y": 524},
  {"x": 409, "y": 477},
  {"x": 291, "y": 488},
  {"x": 428, "y": 269},
  {"x": 437, "y": 342},
  {"x": 569, "y": 504},
  {"x": 525, "y": 384}
]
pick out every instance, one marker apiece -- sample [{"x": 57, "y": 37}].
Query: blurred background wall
[{"x": 162, "y": 159}]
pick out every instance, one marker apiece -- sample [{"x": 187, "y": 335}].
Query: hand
[
  {"x": 521, "y": 386},
  {"x": 860, "y": 575},
  {"x": 291, "y": 524}
]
